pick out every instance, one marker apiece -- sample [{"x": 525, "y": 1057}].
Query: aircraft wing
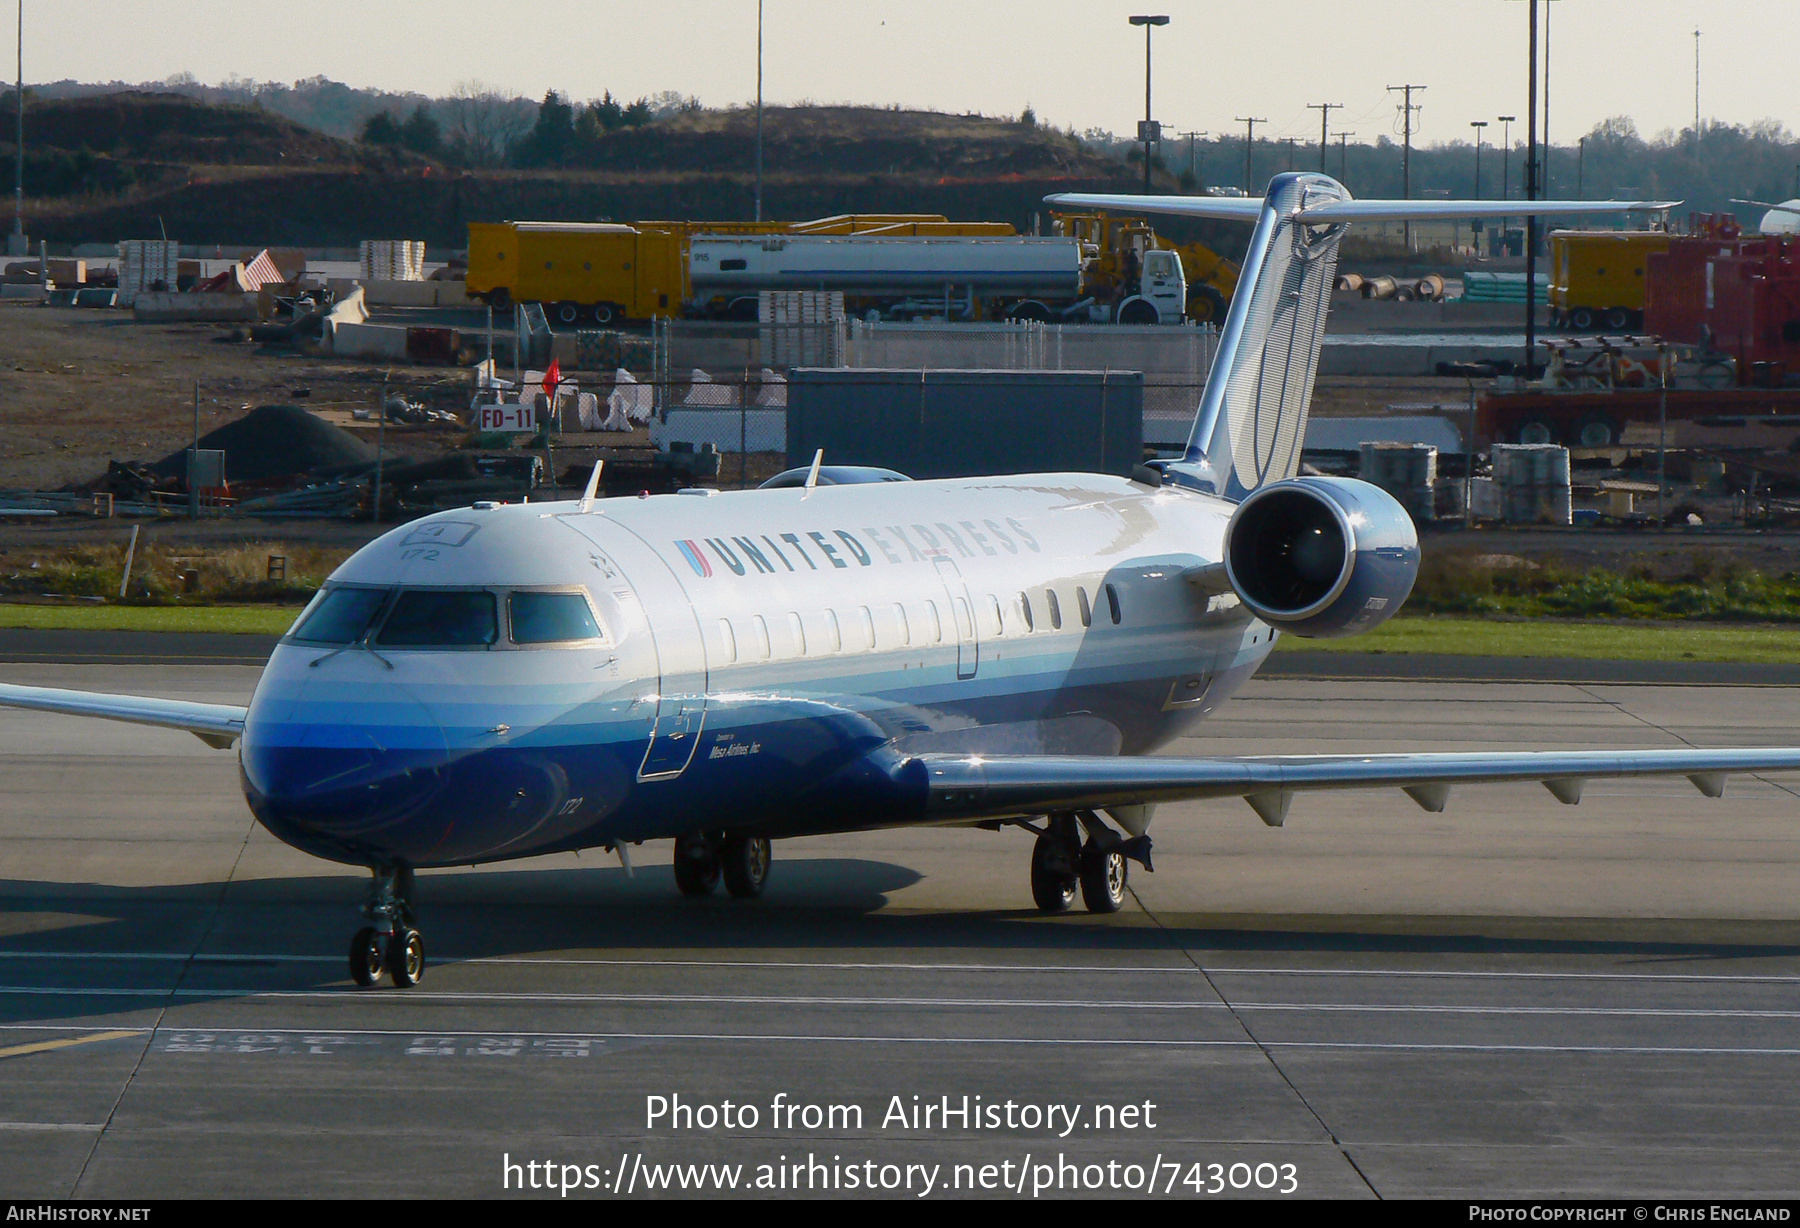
[
  {"x": 978, "y": 786},
  {"x": 217, "y": 725},
  {"x": 1248, "y": 209}
]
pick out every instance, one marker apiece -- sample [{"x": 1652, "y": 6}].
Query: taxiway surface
[{"x": 1511, "y": 998}]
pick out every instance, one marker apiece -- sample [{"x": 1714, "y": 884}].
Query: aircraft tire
[
  {"x": 367, "y": 959},
  {"x": 1104, "y": 874},
  {"x": 406, "y": 956},
  {"x": 744, "y": 861},
  {"x": 1053, "y": 886},
  {"x": 696, "y": 866}
]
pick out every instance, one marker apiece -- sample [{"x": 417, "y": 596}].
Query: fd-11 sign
[{"x": 506, "y": 417}]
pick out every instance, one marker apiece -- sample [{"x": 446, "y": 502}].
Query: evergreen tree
[
  {"x": 380, "y": 129},
  {"x": 421, "y": 133}
]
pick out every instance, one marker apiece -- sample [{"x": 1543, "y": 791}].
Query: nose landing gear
[{"x": 391, "y": 943}]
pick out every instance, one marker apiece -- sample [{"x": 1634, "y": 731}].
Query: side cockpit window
[
  {"x": 550, "y": 618},
  {"x": 441, "y": 618},
  {"x": 340, "y": 615}
]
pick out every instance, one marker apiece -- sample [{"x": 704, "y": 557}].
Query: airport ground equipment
[
  {"x": 1116, "y": 246},
  {"x": 1597, "y": 277},
  {"x": 1733, "y": 298},
  {"x": 727, "y": 668}
]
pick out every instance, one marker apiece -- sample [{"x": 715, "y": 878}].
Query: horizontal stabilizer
[
  {"x": 1248, "y": 209},
  {"x": 215, "y": 724},
  {"x": 999, "y": 786}
]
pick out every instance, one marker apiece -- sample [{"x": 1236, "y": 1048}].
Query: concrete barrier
[
  {"x": 161, "y": 306},
  {"x": 405, "y": 293},
  {"x": 384, "y": 341},
  {"x": 29, "y": 293}
]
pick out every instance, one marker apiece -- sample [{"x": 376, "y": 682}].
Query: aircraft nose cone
[{"x": 340, "y": 779}]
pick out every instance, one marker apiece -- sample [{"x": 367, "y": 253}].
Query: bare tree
[{"x": 484, "y": 121}]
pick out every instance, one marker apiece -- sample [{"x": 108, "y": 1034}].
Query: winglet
[{"x": 587, "y": 496}]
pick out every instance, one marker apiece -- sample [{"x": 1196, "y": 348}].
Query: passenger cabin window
[
  {"x": 1025, "y": 609},
  {"x": 999, "y": 626},
  {"x": 900, "y": 621},
  {"x": 798, "y": 631},
  {"x": 965, "y": 622},
  {"x": 868, "y": 627},
  {"x": 1055, "y": 609},
  {"x": 1083, "y": 608},
  {"x": 1112, "y": 602},
  {"x": 550, "y": 618},
  {"x": 341, "y": 615},
  {"x": 936, "y": 621},
  {"x": 440, "y": 618},
  {"x": 761, "y": 629},
  {"x": 727, "y": 642},
  {"x": 834, "y": 638}
]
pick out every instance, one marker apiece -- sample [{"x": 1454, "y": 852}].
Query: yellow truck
[
  {"x": 1597, "y": 277},
  {"x": 1115, "y": 247},
  {"x": 605, "y": 272}
]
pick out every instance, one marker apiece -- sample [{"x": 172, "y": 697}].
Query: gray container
[
  {"x": 1407, "y": 471},
  {"x": 943, "y": 424}
]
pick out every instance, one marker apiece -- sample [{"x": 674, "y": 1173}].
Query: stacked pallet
[
  {"x": 147, "y": 265},
  {"x": 392, "y": 260}
]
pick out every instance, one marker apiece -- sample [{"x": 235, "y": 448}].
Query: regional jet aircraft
[{"x": 844, "y": 651}]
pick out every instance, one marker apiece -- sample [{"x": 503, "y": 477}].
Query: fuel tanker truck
[{"x": 606, "y": 273}]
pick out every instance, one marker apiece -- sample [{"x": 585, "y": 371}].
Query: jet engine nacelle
[{"x": 1321, "y": 557}]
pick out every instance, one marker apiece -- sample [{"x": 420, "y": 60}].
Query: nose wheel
[{"x": 391, "y": 942}]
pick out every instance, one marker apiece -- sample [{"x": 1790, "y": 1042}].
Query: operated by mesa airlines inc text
[{"x": 900, "y": 1113}]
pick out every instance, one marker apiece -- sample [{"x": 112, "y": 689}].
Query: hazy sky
[{"x": 1076, "y": 61}]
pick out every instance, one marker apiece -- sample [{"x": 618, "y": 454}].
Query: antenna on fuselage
[
  {"x": 587, "y": 496},
  {"x": 812, "y": 475}
]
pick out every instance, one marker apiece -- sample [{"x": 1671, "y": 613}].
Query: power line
[
  {"x": 1249, "y": 145},
  {"x": 1324, "y": 109}
]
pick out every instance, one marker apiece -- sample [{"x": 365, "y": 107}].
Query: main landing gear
[
  {"x": 742, "y": 861},
  {"x": 391, "y": 942},
  {"x": 1061, "y": 863}
]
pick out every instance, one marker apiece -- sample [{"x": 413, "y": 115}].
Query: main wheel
[
  {"x": 1053, "y": 880},
  {"x": 367, "y": 960},
  {"x": 1581, "y": 319},
  {"x": 568, "y": 313},
  {"x": 605, "y": 313},
  {"x": 1205, "y": 305},
  {"x": 696, "y": 865},
  {"x": 1618, "y": 319},
  {"x": 745, "y": 863},
  {"x": 406, "y": 956},
  {"x": 1536, "y": 431},
  {"x": 1597, "y": 431},
  {"x": 1103, "y": 877}
]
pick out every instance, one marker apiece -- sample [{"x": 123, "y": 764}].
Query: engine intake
[{"x": 1322, "y": 557}]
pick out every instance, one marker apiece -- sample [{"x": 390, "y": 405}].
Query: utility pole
[
  {"x": 19, "y": 172},
  {"x": 1544, "y": 177},
  {"x": 1696, "y": 87},
  {"x": 759, "y": 109},
  {"x": 1249, "y": 145},
  {"x": 1406, "y": 156},
  {"x": 1148, "y": 131},
  {"x": 1344, "y": 154},
  {"x": 1290, "y": 145},
  {"x": 1192, "y": 173},
  {"x": 1580, "y": 164},
  {"x": 1505, "y": 166},
  {"x": 1531, "y": 192},
  {"x": 1324, "y": 109}
]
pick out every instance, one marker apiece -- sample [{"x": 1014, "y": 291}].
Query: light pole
[
  {"x": 1580, "y": 164},
  {"x": 1505, "y": 168},
  {"x": 758, "y": 108},
  {"x": 1148, "y": 131},
  {"x": 19, "y": 172},
  {"x": 1475, "y": 226}
]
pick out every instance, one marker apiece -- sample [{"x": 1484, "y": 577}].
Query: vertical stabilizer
[{"x": 1252, "y": 417}]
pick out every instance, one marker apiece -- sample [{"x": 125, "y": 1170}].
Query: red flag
[{"x": 552, "y": 378}]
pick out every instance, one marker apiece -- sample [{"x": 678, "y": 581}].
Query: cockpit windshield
[
  {"x": 341, "y": 616},
  {"x": 441, "y": 618},
  {"x": 550, "y": 618}
]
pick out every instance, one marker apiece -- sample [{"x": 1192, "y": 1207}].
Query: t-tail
[{"x": 1251, "y": 422}]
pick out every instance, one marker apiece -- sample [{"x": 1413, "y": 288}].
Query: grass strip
[
  {"x": 233, "y": 619},
  {"x": 1647, "y": 641}
]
